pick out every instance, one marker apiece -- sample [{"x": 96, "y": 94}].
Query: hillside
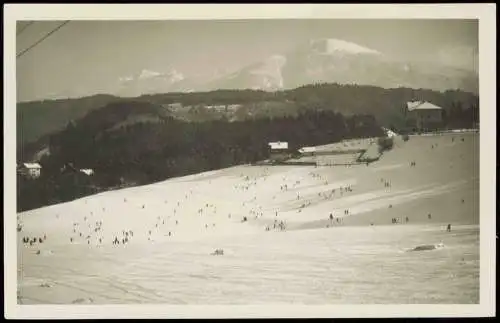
[
  {"x": 134, "y": 142},
  {"x": 36, "y": 119},
  {"x": 178, "y": 223}
]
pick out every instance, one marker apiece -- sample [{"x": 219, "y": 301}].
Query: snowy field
[{"x": 288, "y": 250}]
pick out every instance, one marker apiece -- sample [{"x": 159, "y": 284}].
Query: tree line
[
  {"x": 146, "y": 152},
  {"x": 39, "y": 118}
]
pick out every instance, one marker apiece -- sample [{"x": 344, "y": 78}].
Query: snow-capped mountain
[
  {"x": 334, "y": 60},
  {"x": 338, "y": 47},
  {"x": 318, "y": 60}
]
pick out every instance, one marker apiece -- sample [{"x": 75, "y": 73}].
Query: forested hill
[
  {"x": 133, "y": 142},
  {"x": 137, "y": 137},
  {"x": 36, "y": 119}
]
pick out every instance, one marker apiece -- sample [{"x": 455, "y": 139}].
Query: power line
[
  {"x": 42, "y": 39},
  {"x": 24, "y": 28}
]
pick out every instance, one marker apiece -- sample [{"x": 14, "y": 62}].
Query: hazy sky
[{"x": 88, "y": 57}]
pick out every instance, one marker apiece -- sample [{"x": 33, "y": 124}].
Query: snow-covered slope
[{"x": 178, "y": 223}]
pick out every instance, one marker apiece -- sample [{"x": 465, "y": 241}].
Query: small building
[
  {"x": 87, "y": 171},
  {"x": 279, "y": 150},
  {"x": 307, "y": 151},
  {"x": 423, "y": 115},
  {"x": 31, "y": 170},
  {"x": 278, "y": 146}
]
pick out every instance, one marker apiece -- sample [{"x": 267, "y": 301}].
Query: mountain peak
[{"x": 334, "y": 46}]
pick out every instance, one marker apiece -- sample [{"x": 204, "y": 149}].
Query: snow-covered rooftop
[
  {"x": 32, "y": 165},
  {"x": 278, "y": 145},
  {"x": 421, "y": 105},
  {"x": 307, "y": 149}
]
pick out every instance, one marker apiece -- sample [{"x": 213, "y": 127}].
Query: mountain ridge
[
  {"x": 317, "y": 60},
  {"x": 385, "y": 105}
]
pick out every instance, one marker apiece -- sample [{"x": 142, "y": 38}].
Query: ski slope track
[{"x": 357, "y": 257}]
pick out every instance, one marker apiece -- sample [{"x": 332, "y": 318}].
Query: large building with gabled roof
[{"x": 423, "y": 115}]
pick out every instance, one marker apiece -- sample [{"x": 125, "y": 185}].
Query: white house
[
  {"x": 279, "y": 150},
  {"x": 278, "y": 146},
  {"x": 32, "y": 170}
]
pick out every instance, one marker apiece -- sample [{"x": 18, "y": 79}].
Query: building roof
[
  {"x": 307, "y": 149},
  {"x": 421, "y": 105},
  {"x": 279, "y": 145},
  {"x": 32, "y": 165},
  {"x": 87, "y": 171}
]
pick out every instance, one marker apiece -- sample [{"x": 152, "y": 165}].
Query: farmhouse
[
  {"x": 279, "y": 150},
  {"x": 32, "y": 170},
  {"x": 423, "y": 116}
]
